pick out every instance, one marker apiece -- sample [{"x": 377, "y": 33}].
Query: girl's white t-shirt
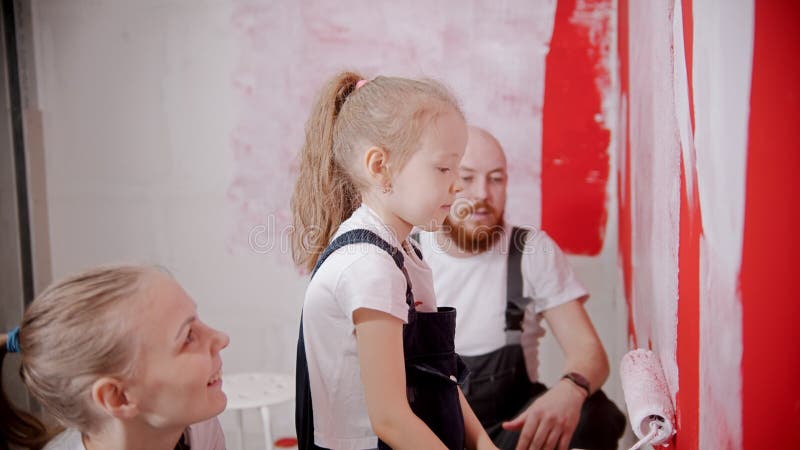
[
  {"x": 206, "y": 435},
  {"x": 353, "y": 277}
]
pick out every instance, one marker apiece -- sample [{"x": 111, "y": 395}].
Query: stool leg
[
  {"x": 240, "y": 417},
  {"x": 267, "y": 428}
]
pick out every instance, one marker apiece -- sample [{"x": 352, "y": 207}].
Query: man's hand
[{"x": 552, "y": 418}]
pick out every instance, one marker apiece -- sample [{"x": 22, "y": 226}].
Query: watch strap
[{"x": 578, "y": 380}]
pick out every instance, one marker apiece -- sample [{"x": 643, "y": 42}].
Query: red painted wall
[
  {"x": 575, "y": 143},
  {"x": 771, "y": 360},
  {"x": 687, "y": 399},
  {"x": 623, "y": 178}
]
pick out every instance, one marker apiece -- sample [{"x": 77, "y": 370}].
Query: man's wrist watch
[{"x": 578, "y": 380}]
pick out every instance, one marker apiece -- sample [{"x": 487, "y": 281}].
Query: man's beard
[{"x": 474, "y": 239}]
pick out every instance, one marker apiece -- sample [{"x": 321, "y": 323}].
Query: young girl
[
  {"x": 376, "y": 366},
  {"x": 118, "y": 356}
]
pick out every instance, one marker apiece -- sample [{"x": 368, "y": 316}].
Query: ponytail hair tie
[
  {"x": 361, "y": 83},
  {"x": 12, "y": 343}
]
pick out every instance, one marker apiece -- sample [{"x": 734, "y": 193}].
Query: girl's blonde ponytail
[{"x": 324, "y": 194}]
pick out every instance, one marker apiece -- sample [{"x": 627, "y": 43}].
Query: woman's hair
[
  {"x": 387, "y": 112},
  {"x": 74, "y": 332}
]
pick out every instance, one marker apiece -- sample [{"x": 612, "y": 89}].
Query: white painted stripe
[
  {"x": 655, "y": 181},
  {"x": 723, "y": 57},
  {"x": 680, "y": 79}
]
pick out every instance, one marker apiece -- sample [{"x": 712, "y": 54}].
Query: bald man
[{"x": 503, "y": 280}]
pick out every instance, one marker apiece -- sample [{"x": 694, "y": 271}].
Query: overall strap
[
  {"x": 516, "y": 302},
  {"x": 362, "y": 236},
  {"x": 415, "y": 243}
]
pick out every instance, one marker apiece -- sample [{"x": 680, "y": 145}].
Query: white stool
[{"x": 257, "y": 390}]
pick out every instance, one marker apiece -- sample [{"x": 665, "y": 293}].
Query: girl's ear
[
  {"x": 110, "y": 396},
  {"x": 376, "y": 161}
]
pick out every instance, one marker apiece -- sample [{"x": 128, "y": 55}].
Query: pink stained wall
[
  {"x": 494, "y": 57},
  {"x": 288, "y": 50}
]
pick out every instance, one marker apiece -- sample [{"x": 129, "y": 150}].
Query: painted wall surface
[
  {"x": 550, "y": 104},
  {"x": 658, "y": 199},
  {"x": 579, "y": 114},
  {"x": 722, "y": 70},
  {"x": 770, "y": 361},
  {"x": 701, "y": 150},
  {"x": 491, "y": 55},
  {"x": 654, "y": 174}
]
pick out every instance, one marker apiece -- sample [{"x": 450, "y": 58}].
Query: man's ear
[
  {"x": 376, "y": 161},
  {"x": 109, "y": 395}
]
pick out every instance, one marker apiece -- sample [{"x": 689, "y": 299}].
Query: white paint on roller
[
  {"x": 647, "y": 396},
  {"x": 655, "y": 176},
  {"x": 723, "y": 55}
]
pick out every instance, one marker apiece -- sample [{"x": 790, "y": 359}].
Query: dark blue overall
[{"x": 433, "y": 370}]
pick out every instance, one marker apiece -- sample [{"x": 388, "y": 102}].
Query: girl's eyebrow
[
  {"x": 499, "y": 170},
  {"x": 184, "y": 324}
]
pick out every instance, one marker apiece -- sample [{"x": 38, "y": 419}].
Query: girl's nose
[{"x": 456, "y": 187}]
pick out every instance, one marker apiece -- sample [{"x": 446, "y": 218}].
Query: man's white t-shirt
[
  {"x": 353, "y": 277},
  {"x": 206, "y": 435},
  {"x": 476, "y": 287}
]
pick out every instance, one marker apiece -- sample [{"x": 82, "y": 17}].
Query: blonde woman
[
  {"x": 118, "y": 356},
  {"x": 376, "y": 366}
]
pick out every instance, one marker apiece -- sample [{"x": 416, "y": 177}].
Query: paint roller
[{"x": 649, "y": 403}]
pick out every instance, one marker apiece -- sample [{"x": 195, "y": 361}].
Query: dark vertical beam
[{"x": 18, "y": 143}]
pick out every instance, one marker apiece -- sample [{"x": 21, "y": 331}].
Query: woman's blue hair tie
[{"x": 12, "y": 344}]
